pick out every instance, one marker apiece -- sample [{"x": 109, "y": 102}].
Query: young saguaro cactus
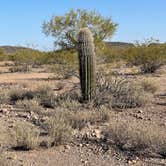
[{"x": 87, "y": 63}]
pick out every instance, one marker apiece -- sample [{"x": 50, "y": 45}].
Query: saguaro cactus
[{"x": 86, "y": 63}]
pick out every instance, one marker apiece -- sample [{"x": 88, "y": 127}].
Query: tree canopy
[{"x": 65, "y": 28}]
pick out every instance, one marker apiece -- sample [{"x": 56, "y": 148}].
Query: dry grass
[
  {"x": 60, "y": 132},
  {"x": 137, "y": 137},
  {"x": 68, "y": 103},
  {"x": 79, "y": 119},
  {"x": 4, "y": 98},
  {"x": 26, "y": 135},
  {"x": 29, "y": 106},
  {"x": 46, "y": 96},
  {"x": 20, "y": 94},
  {"x": 5, "y": 136},
  {"x": 149, "y": 86},
  {"x": 19, "y": 68}
]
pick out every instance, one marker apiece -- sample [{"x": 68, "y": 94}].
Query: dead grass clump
[
  {"x": 46, "y": 96},
  {"x": 5, "y": 136},
  {"x": 19, "y": 68},
  {"x": 20, "y": 94},
  {"x": 4, "y": 98},
  {"x": 65, "y": 71},
  {"x": 79, "y": 119},
  {"x": 26, "y": 135},
  {"x": 29, "y": 105},
  {"x": 137, "y": 137},
  {"x": 149, "y": 86},
  {"x": 69, "y": 104},
  {"x": 60, "y": 132},
  {"x": 120, "y": 92}
]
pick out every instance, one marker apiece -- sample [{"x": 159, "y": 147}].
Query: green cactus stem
[{"x": 86, "y": 64}]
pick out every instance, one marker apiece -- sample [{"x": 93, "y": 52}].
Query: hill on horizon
[{"x": 13, "y": 49}]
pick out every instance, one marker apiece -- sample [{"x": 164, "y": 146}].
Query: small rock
[
  {"x": 81, "y": 145},
  {"x": 44, "y": 119},
  {"x": 45, "y": 143},
  {"x": 140, "y": 111},
  {"x": 98, "y": 133},
  {"x": 67, "y": 147},
  {"x": 4, "y": 111},
  {"x": 23, "y": 115}
]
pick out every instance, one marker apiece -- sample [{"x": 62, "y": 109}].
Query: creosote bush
[
  {"x": 120, "y": 92},
  {"x": 26, "y": 136}
]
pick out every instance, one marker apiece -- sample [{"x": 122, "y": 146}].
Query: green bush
[
  {"x": 3, "y": 56},
  {"x": 148, "y": 57}
]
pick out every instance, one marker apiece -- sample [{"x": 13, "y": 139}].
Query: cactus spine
[{"x": 86, "y": 55}]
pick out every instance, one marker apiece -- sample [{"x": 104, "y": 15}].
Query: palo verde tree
[{"x": 65, "y": 28}]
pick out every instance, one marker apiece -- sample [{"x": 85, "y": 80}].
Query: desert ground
[{"x": 92, "y": 144}]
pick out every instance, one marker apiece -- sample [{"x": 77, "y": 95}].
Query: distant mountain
[
  {"x": 119, "y": 44},
  {"x": 13, "y": 49}
]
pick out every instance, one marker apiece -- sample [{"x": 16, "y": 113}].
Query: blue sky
[{"x": 21, "y": 20}]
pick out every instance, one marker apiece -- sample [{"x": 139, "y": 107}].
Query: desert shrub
[
  {"x": 46, "y": 96},
  {"x": 5, "y": 137},
  {"x": 26, "y": 135},
  {"x": 115, "y": 54},
  {"x": 79, "y": 119},
  {"x": 29, "y": 57},
  {"x": 64, "y": 71},
  {"x": 67, "y": 102},
  {"x": 149, "y": 57},
  {"x": 136, "y": 137},
  {"x": 20, "y": 94},
  {"x": 4, "y": 98},
  {"x": 149, "y": 86},
  {"x": 119, "y": 92},
  {"x": 60, "y": 132},
  {"x": 19, "y": 68},
  {"x": 66, "y": 64},
  {"x": 29, "y": 105},
  {"x": 3, "y": 55},
  {"x": 59, "y": 86}
]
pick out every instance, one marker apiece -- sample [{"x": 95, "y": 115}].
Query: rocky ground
[{"x": 87, "y": 147}]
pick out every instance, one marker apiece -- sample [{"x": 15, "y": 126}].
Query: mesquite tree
[{"x": 64, "y": 29}]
